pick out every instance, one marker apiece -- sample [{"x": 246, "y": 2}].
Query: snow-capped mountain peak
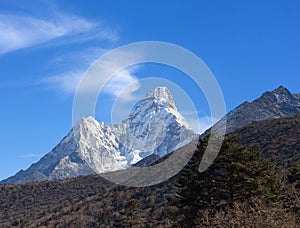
[
  {"x": 155, "y": 127},
  {"x": 163, "y": 95}
]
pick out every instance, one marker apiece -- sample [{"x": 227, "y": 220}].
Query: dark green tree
[
  {"x": 242, "y": 173},
  {"x": 294, "y": 175},
  {"x": 237, "y": 174}
]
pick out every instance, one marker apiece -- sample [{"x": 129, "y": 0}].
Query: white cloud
[
  {"x": 66, "y": 82},
  {"x": 122, "y": 85},
  {"x": 18, "y": 32}
]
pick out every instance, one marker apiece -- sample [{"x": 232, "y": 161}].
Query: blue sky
[{"x": 47, "y": 46}]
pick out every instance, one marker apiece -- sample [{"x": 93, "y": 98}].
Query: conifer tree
[
  {"x": 294, "y": 175},
  {"x": 237, "y": 174}
]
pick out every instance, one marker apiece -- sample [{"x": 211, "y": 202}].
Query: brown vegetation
[{"x": 277, "y": 138}]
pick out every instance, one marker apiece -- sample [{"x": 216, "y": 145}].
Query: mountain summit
[
  {"x": 162, "y": 94},
  {"x": 154, "y": 128},
  {"x": 272, "y": 104}
]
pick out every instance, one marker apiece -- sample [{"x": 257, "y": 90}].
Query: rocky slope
[{"x": 277, "y": 138}]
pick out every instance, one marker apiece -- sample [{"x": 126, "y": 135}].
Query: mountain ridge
[{"x": 271, "y": 104}]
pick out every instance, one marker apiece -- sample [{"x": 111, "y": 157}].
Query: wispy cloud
[
  {"x": 18, "y": 32},
  {"x": 67, "y": 83},
  {"x": 121, "y": 85}
]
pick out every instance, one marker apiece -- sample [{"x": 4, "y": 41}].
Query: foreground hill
[
  {"x": 87, "y": 201},
  {"x": 278, "y": 138}
]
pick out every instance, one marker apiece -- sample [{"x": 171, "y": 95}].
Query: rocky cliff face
[{"x": 154, "y": 128}]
